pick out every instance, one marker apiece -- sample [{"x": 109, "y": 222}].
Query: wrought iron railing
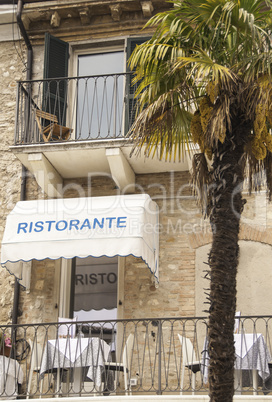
[
  {"x": 151, "y": 356},
  {"x": 81, "y": 109}
]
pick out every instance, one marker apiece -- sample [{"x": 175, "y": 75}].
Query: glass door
[
  {"x": 94, "y": 289},
  {"x": 100, "y": 98}
]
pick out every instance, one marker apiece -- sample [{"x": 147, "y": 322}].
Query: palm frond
[
  {"x": 257, "y": 65},
  {"x": 201, "y": 67},
  {"x": 162, "y": 129},
  {"x": 224, "y": 42}
]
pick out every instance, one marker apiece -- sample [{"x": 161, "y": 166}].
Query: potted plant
[{"x": 5, "y": 344}]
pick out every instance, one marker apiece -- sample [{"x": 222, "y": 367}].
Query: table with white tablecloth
[
  {"x": 251, "y": 354},
  {"x": 11, "y": 374},
  {"x": 75, "y": 353}
]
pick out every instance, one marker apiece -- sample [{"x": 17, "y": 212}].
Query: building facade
[{"x": 86, "y": 46}]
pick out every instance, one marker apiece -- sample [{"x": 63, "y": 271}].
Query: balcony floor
[
  {"x": 73, "y": 160},
  {"x": 77, "y": 159}
]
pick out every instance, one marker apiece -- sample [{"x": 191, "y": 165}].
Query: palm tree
[{"x": 205, "y": 78}]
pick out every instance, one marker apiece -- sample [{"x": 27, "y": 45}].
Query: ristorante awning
[{"x": 81, "y": 227}]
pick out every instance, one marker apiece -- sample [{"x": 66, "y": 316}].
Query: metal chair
[
  {"x": 125, "y": 365},
  {"x": 35, "y": 365},
  {"x": 188, "y": 361}
]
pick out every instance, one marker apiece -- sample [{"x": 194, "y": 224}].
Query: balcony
[
  {"x": 129, "y": 359},
  {"x": 75, "y": 126},
  {"x": 94, "y": 107}
]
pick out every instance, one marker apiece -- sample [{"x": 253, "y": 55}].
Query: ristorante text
[{"x": 72, "y": 224}]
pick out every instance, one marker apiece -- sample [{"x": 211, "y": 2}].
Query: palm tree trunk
[{"x": 227, "y": 206}]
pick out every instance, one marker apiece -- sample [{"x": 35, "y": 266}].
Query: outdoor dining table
[
  {"x": 251, "y": 354},
  {"x": 11, "y": 374},
  {"x": 74, "y": 354}
]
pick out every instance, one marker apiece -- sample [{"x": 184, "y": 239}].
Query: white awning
[{"x": 81, "y": 227}]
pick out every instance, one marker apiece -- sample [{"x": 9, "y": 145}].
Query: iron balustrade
[
  {"x": 92, "y": 107},
  {"x": 153, "y": 359}
]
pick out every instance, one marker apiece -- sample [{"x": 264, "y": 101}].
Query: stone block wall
[
  {"x": 12, "y": 69},
  {"x": 39, "y": 305},
  {"x": 179, "y": 214}
]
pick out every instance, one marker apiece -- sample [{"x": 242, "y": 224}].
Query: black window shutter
[
  {"x": 56, "y": 54},
  {"x": 130, "y": 89}
]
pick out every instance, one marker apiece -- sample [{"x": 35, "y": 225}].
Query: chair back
[
  {"x": 127, "y": 353},
  {"x": 35, "y": 365},
  {"x": 36, "y": 355},
  {"x": 188, "y": 353},
  {"x": 237, "y": 322},
  {"x": 67, "y": 330}
]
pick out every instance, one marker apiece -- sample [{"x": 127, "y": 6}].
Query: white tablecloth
[
  {"x": 11, "y": 374},
  {"x": 251, "y": 354},
  {"x": 78, "y": 352}
]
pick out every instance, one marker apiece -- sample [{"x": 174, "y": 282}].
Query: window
[
  {"x": 94, "y": 288},
  {"x": 100, "y": 280}
]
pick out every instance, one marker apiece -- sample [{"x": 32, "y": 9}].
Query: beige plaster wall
[{"x": 254, "y": 278}]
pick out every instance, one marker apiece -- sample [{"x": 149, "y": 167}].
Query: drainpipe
[
  {"x": 24, "y": 170},
  {"x": 26, "y": 39},
  {"x": 16, "y": 284}
]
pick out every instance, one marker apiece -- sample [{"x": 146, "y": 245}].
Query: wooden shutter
[
  {"x": 56, "y": 54},
  {"x": 130, "y": 89}
]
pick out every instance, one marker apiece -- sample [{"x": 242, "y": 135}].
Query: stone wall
[
  {"x": 38, "y": 304},
  {"x": 178, "y": 215},
  {"x": 12, "y": 69}
]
